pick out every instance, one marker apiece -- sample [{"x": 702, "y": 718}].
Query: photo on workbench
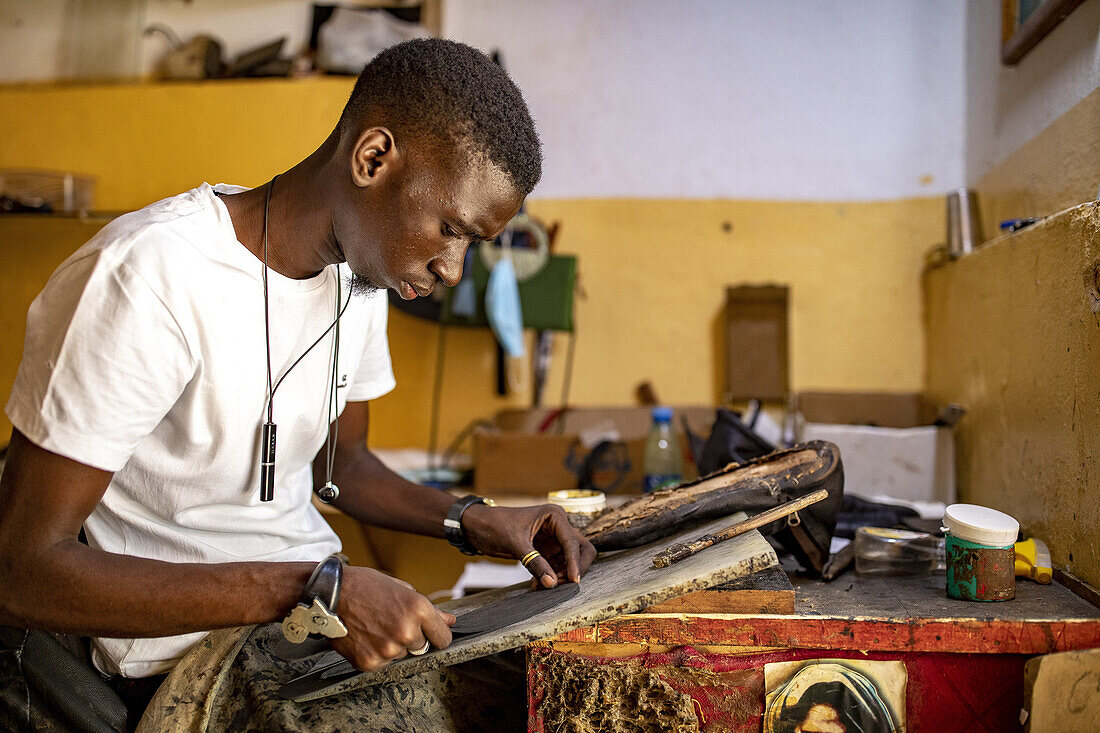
[{"x": 834, "y": 696}]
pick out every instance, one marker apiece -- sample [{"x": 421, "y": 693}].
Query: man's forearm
[
  {"x": 372, "y": 493},
  {"x": 71, "y": 588}
]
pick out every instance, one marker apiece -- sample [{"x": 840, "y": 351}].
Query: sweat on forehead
[{"x": 453, "y": 95}]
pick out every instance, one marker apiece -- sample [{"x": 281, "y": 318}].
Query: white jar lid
[
  {"x": 578, "y": 501},
  {"x": 981, "y": 525}
]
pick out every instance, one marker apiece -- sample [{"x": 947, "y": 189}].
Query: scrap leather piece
[
  {"x": 512, "y": 609},
  {"x": 752, "y": 487}
]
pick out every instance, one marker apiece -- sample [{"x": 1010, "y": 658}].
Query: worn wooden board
[
  {"x": 876, "y": 614},
  {"x": 768, "y": 591},
  {"x": 617, "y": 583}
]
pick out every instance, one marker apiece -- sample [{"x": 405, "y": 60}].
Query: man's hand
[
  {"x": 514, "y": 532},
  {"x": 386, "y": 619}
]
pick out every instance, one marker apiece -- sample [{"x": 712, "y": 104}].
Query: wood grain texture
[
  {"x": 617, "y": 583},
  {"x": 808, "y": 632},
  {"x": 876, "y": 614},
  {"x": 768, "y": 591}
]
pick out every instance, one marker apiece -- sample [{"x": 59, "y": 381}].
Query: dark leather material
[
  {"x": 753, "y": 487},
  {"x": 44, "y": 685},
  {"x": 512, "y": 609},
  {"x": 731, "y": 441}
]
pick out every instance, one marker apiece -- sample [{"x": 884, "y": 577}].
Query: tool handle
[{"x": 679, "y": 551}]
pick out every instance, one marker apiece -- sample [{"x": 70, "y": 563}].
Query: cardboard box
[
  {"x": 879, "y": 409},
  {"x": 899, "y": 454},
  {"x": 518, "y": 459}
]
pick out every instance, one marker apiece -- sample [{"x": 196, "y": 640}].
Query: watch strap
[
  {"x": 452, "y": 525},
  {"x": 325, "y": 581}
]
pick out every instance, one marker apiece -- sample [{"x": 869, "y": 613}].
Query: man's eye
[{"x": 448, "y": 232}]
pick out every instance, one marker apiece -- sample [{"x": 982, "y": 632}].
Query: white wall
[
  {"x": 45, "y": 40},
  {"x": 756, "y": 99},
  {"x": 759, "y": 99},
  {"x": 32, "y": 40},
  {"x": 1007, "y": 106}
]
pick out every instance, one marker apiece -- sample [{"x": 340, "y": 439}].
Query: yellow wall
[
  {"x": 31, "y": 247},
  {"x": 654, "y": 274},
  {"x": 1058, "y": 168},
  {"x": 654, "y": 271},
  {"x": 147, "y": 141},
  {"x": 1014, "y": 335}
]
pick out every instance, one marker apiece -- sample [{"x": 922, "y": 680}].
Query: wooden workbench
[{"x": 964, "y": 661}]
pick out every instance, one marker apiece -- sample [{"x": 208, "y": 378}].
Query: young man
[{"x": 157, "y": 352}]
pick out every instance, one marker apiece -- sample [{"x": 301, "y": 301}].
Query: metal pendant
[{"x": 328, "y": 493}]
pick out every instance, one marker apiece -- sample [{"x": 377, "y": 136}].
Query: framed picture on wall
[{"x": 1026, "y": 22}]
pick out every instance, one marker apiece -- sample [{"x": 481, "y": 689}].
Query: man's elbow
[
  {"x": 15, "y": 602},
  {"x": 22, "y": 588}
]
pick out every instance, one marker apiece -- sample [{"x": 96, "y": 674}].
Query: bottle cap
[
  {"x": 980, "y": 525},
  {"x": 662, "y": 414}
]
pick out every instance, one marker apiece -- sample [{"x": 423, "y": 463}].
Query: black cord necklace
[{"x": 329, "y": 491}]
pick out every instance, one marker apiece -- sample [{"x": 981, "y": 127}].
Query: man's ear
[{"x": 375, "y": 152}]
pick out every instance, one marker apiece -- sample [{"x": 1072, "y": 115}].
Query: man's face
[{"x": 413, "y": 227}]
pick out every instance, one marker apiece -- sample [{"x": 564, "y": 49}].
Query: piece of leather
[
  {"x": 288, "y": 650},
  {"x": 512, "y": 609},
  {"x": 47, "y": 687},
  {"x": 753, "y": 487}
]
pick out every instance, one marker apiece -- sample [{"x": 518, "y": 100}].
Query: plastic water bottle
[{"x": 663, "y": 461}]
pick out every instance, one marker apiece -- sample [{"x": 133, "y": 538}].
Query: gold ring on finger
[
  {"x": 530, "y": 557},
  {"x": 422, "y": 650}
]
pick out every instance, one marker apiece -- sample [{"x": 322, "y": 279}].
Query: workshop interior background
[{"x": 689, "y": 147}]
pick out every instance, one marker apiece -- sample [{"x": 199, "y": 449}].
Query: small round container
[
  {"x": 580, "y": 506},
  {"x": 981, "y": 559}
]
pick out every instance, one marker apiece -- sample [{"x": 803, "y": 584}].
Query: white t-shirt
[{"x": 145, "y": 356}]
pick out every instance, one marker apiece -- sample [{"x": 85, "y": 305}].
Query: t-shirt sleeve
[
  {"x": 374, "y": 376},
  {"x": 103, "y": 362}
]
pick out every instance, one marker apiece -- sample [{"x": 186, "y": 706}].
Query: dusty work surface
[
  {"x": 875, "y": 614},
  {"x": 851, "y": 596},
  {"x": 617, "y": 583}
]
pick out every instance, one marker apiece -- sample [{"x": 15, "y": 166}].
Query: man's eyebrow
[{"x": 469, "y": 231}]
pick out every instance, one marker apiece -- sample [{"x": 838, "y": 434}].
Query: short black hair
[{"x": 454, "y": 94}]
